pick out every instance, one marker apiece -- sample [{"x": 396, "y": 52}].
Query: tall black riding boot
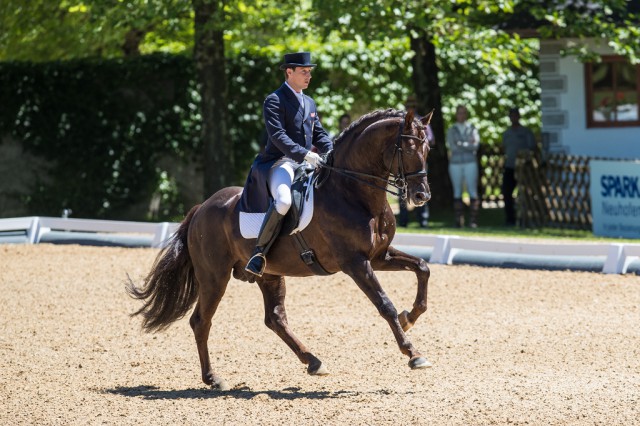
[
  {"x": 473, "y": 215},
  {"x": 458, "y": 212},
  {"x": 268, "y": 233}
]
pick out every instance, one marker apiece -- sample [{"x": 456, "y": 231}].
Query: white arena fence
[
  {"x": 443, "y": 248},
  {"x": 37, "y": 227}
]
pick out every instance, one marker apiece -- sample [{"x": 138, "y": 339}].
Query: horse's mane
[{"x": 357, "y": 127}]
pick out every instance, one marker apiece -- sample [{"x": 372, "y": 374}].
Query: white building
[{"x": 589, "y": 109}]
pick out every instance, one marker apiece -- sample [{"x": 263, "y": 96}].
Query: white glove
[{"x": 314, "y": 159}]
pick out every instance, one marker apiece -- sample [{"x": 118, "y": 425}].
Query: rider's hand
[{"x": 314, "y": 159}]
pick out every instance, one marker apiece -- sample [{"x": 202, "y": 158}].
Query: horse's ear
[
  {"x": 408, "y": 119},
  {"x": 427, "y": 118}
]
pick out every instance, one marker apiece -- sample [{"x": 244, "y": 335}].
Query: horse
[{"x": 351, "y": 231}]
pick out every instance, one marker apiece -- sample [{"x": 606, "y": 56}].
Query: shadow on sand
[{"x": 238, "y": 392}]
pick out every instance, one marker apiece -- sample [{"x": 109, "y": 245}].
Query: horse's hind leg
[
  {"x": 211, "y": 290},
  {"x": 396, "y": 260},
  {"x": 275, "y": 317}
]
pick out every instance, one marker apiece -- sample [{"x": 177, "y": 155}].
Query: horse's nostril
[{"x": 423, "y": 196}]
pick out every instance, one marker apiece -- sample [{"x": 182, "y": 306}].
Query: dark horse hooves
[
  {"x": 317, "y": 369},
  {"x": 419, "y": 362},
  {"x": 215, "y": 382},
  {"x": 185, "y": 274}
]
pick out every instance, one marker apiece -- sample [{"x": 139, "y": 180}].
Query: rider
[{"x": 293, "y": 128}]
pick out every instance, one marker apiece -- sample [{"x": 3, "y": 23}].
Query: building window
[{"x": 613, "y": 93}]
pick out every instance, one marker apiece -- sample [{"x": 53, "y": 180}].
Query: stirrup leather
[{"x": 264, "y": 264}]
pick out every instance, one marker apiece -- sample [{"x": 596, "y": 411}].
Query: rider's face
[{"x": 299, "y": 77}]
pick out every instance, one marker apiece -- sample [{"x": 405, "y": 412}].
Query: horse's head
[
  {"x": 404, "y": 145},
  {"x": 408, "y": 163}
]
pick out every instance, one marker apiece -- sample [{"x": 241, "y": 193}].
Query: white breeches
[{"x": 280, "y": 180}]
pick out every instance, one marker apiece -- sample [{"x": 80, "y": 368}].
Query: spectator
[
  {"x": 345, "y": 120},
  {"x": 515, "y": 139},
  {"x": 343, "y": 123},
  {"x": 463, "y": 141}
]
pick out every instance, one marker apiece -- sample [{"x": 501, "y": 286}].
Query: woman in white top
[{"x": 463, "y": 141}]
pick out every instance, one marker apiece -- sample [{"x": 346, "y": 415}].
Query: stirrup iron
[{"x": 264, "y": 264}]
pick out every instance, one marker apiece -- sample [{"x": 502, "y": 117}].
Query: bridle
[{"x": 397, "y": 180}]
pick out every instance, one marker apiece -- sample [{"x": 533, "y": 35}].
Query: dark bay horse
[{"x": 351, "y": 231}]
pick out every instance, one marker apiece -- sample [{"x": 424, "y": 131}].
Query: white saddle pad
[{"x": 250, "y": 223}]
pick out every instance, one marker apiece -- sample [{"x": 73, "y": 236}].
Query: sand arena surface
[{"x": 508, "y": 347}]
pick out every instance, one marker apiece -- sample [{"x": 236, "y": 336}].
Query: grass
[{"x": 491, "y": 224}]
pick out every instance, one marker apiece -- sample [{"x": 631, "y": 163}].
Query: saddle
[
  {"x": 301, "y": 190},
  {"x": 296, "y": 219},
  {"x": 298, "y": 216}
]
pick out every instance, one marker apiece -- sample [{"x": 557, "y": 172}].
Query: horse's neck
[
  {"x": 364, "y": 152},
  {"x": 367, "y": 159}
]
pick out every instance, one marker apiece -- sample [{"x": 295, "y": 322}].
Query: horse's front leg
[
  {"x": 275, "y": 317},
  {"x": 362, "y": 273},
  {"x": 396, "y": 260}
]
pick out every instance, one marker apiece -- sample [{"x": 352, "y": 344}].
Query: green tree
[
  {"x": 48, "y": 30},
  {"x": 443, "y": 37},
  {"x": 616, "y": 21},
  {"x": 210, "y": 62},
  {"x": 472, "y": 52},
  {"x": 64, "y": 29},
  {"x": 372, "y": 54}
]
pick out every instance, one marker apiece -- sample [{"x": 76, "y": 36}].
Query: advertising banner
[{"x": 615, "y": 198}]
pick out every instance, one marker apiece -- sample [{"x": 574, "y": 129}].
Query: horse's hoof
[
  {"x": 220, "y": 385},
  {"x": 404, "y": 321},
  {"x": 320, "y": 370},
  {"x": 216, "y": 382},
  {"x": 419, "y": 362}
]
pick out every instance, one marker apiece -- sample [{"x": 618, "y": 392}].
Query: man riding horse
[
  {"x": 351, "y": 232},
  {"x": 293, "y": 128}
]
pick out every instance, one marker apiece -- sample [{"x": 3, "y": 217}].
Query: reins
[{"x": 398, "y": 180}]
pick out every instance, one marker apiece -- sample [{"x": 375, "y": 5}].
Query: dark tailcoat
[{"x": 291, "y": 132}]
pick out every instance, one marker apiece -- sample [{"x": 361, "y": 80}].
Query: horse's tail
[{"x": 170, "y": 289}]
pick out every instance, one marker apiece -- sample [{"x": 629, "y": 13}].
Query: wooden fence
[
  {"x": 491, "y": 163},
  {"x": 552, "y": 192}
]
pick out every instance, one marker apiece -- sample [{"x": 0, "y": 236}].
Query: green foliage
[
  {"x": 103, "y": 125},
  {"x": 49, "y": 30},
  {"x": 489, "y": 80},
  {"x": 358, "y": 77},
  {"x": 115, "y": 119},
  {"x": 483, "y": 68},
  {"x": 608, "y": 21}
]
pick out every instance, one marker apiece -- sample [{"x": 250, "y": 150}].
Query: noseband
[{"x": 397, "y": 180}]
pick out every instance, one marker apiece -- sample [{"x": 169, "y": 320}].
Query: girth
[{"x": 299, "y": 195}]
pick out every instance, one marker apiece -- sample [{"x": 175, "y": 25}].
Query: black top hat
[{"x": 300, "y": 59}]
